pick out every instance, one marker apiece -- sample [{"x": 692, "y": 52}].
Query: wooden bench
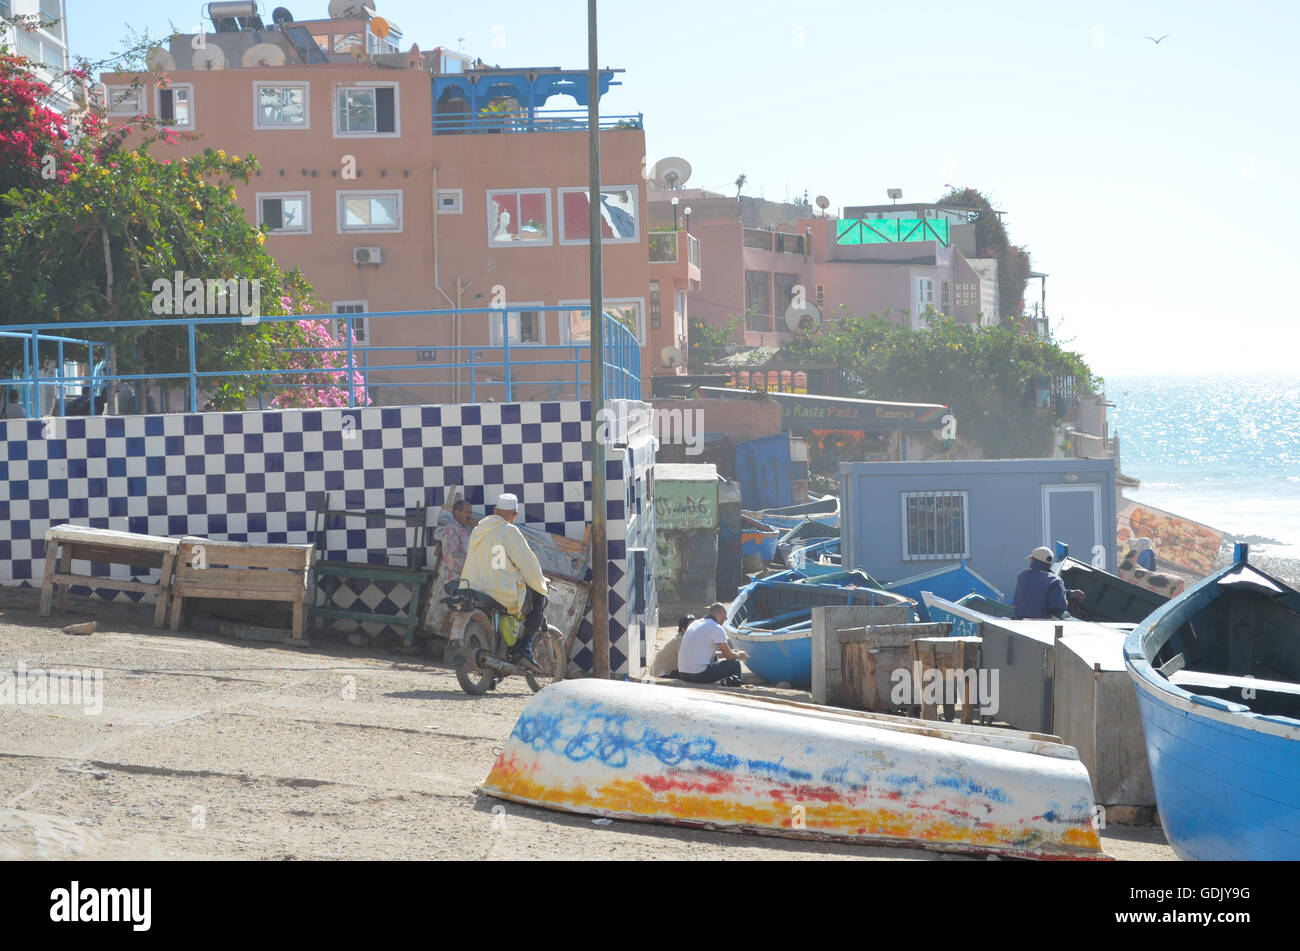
[
  {"x": 112, "y": 547},
  {"x": 242, "y": 571}
]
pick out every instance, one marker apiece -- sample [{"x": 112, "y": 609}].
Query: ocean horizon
[{"x": 1219, "y": 448}]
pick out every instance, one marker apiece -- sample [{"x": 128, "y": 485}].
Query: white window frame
[
  {"x": 363, "y": 340},
  {"x": 278, "y": 126},
  {"x": 397, "y": 111},
  {"x": 157, "y": 98},
  {"x": 341, "y": 197},
  {"x": 565, "y": 339},
  {"x": 460, "y": 201},
  {"x": 115, "y": 108},
  {"x": 962, "y": 494},
  {"x": 306, "y": 196},
  {"x": 514, "y": 309},
  {"x": 584, "y": 191},
  {"x": 550, "y": 219}
]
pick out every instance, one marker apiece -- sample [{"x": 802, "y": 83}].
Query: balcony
[
  {"x": 513, "y": 100},
  {"x": 539, "y": 120},
  {"x": 666, "y": 248},
  {"x": 780, "y": 242},
  {"x": 891, "y": 230}
]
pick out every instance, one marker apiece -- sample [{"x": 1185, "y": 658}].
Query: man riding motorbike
[{"x": 500, "y": 564}]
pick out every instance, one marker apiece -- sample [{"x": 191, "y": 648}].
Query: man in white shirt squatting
[{"x": 697, "y": 660}]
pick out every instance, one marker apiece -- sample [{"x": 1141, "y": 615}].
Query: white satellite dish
[
  {"x": 263, "y": 54},
  {"x": 671, "y": 172},
  {"x": 346, "y": 9},
  {"x": 800, "y": 319},
  {"x": 823, "y": 203},
  {"x": 671, "y": 356},
  {"x": 159, "y": 58},
  {"x": 209, "y": 57}
]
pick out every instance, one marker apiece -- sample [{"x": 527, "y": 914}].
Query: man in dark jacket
[{"x": 1039, "y": 593}]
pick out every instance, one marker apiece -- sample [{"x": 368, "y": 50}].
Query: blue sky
[{"x": 1155, "y": 184}]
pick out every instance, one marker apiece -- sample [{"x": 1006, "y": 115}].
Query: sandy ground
[{"x": 209, "y": 748}]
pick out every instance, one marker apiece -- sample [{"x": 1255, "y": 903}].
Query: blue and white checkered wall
[{"x": 258, "y": 476}]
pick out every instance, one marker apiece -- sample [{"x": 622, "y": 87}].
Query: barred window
[{"x": 935, "y": 526}]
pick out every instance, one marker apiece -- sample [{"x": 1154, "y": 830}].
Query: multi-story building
[
  {"x": 46, "y": 45},
  {"x": 892, "y": 260},
  {"x": 418, "y": 181}
]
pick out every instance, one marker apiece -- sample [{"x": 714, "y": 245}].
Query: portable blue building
[{"x": 901, "y": 518}]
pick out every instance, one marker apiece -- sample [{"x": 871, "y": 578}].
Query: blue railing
[
  {"x": 475, "y": 369},
  {"x": 522, "y": 120},
  {"x": 29, "y": 384}
]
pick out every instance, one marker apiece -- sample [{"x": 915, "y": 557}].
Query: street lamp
[
  {"x": 688, "y": 219},
  {"x": 675, "y": 201}
]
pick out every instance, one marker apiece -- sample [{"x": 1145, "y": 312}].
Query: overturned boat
[
  {"x": 716, "y": 760},
  {"x": 1106, "y": 597},
  {"x": 952, "y": 582},
  {"x": 825, "y": 510},
  {"x": 1217, "y": 671}
]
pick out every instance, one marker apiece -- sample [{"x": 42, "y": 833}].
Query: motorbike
[{"x": 482, "y": 642}]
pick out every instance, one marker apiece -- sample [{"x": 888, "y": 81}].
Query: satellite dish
[
  {"x": 210, "y": 57},
  {"x": 263, "y": 54},
  {"x": 357, "y": 51},
  {"x": 823, "y": 202},
  {"x": 347, "y": 9},
  {"x": 99, "y": 95},
  {"x": 280, "y": 16},
  {"x": 379, "y": 27},
  {"x": 800, "y": 319},
  {"x": 672, "y": 172},
  {"x": 671, "y": 356},
  {"x": 159, "y": 58}
]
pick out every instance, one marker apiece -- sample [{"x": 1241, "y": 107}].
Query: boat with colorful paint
[
  {"x": 758, "y": 540},
  {"x": 771, "y": 618},
  {"x": 716, "y": 760},
  {"x": 951, "y": 582},
  {"x": 1217, "y": 672}
]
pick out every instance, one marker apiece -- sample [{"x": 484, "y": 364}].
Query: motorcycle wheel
[
  {"x": 475, "y": 680},
  {"x": 549, "y": 653}
]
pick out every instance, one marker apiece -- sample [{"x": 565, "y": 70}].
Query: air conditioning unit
[{"x": 367, "y": 256}]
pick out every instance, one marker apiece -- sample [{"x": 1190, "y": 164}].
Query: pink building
[{"x": 404, "y": 181}]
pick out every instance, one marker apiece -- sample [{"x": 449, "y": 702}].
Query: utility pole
[{"x": 599, "y": 550}]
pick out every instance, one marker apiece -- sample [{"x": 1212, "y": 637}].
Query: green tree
[
  {"x": 991, "y": 241},
  {"x": 983, "y": 373}
]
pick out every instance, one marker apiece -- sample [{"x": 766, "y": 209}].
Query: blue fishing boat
[
  {"x": 1217, "y": 672},
  {"x": 819, "y": 558},
  {"x": 825, "y": 510},
  {"x": 964, "y": 614},
  {"x": 808, "y": 532},
  {"x": 757, "y": 539},
  {"x": 952, "y": 583},
  {"x": 771, "y": 618}
]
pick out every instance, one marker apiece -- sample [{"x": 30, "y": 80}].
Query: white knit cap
[{"x": 507, "y": 502}]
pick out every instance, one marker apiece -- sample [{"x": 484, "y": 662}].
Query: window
[
  {"x": 366, "y": 110},
  {"x": 922, "y": 295},
  {"x": 360, "y": 332},
  {"x": 280, "y": 106},
  {"x": 654, "y": 305},
  {"x": 783, "y": 295},
  {"x": 285, "y": 212},
  {"x": 519, "y": 217},
  {"x": 821, "y": 294},
  {"x": 123, "y": 100},
  {"x": 575, "y": 325},
  {"x": 370, "y": 211},
  {"x": 935, "y": 526},
  {"x": 618, "y": 212},
  {"x": 944, "y": 306},
  {"x": 449, "y": 201},
  {"x": 527, "y": 327},
  {"x": 758, "y": 300},
  {"x": 176, "y": 106}
]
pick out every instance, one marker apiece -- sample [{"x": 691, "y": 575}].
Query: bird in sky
[{"x": 1155, "y": 41}]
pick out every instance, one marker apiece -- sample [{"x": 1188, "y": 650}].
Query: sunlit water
[{"x": 1221, "y": 449}]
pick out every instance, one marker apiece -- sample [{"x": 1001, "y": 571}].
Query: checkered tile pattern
[{"x": 259, "y": 476}]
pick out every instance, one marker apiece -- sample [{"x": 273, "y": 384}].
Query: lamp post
[
  {"x": 675, "y": 201},
  {"x": 599, "y": 549},
  {"x": 688, "y": 219}
]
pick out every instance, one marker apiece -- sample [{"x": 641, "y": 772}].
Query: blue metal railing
[
  {"x": 29, "y": 386},
  {"x": 470, "y": 371},
  {"x": 522, "y": 120}
]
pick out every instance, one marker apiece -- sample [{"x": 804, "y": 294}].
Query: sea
[{"x": 1221, "y": 449}]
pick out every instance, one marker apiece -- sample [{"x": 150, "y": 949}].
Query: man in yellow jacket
[{"x": 500, "y": 564}]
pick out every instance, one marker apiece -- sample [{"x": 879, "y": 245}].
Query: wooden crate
[{"x": 944, "y": 654}]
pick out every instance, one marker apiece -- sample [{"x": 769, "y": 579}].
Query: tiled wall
[{"x": 258, "y": 477}]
